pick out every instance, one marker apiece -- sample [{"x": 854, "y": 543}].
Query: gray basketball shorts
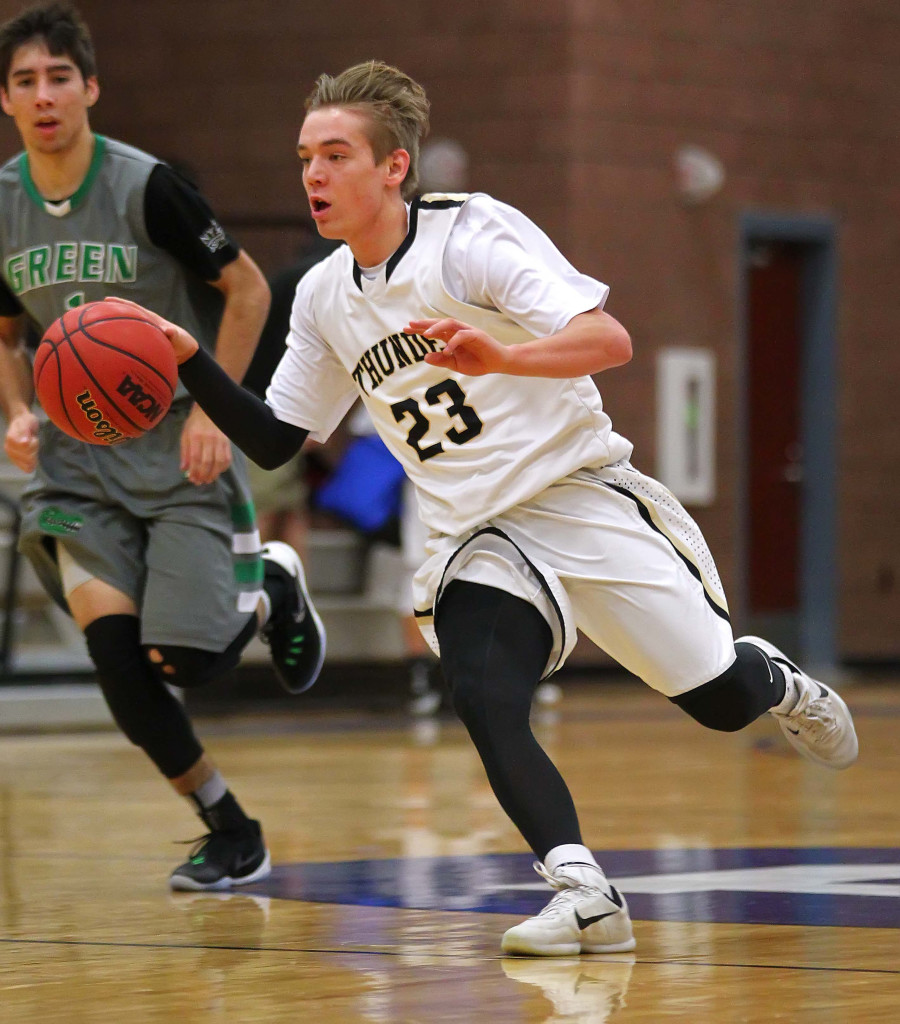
[
  {"x": 607, "y": 551},
  {"x": 187, "y": 555}
]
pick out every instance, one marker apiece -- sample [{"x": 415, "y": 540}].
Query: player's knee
[
  {"x": 478, "y": 699},
  {"x": 494, "y": 647},
  {"x": 467, "y": 694},
  {"x": 181, "y": 666},
  {"x": 134, "y": 697},
  {"x": 146, "y": 712},
  {"x": 114, "y": 645},
  {"x": 114, "y": 641},
  {"x": 188, "y": 667},
  {"x": 737, "y": 697},
  {"x": 464, "y": 679}
]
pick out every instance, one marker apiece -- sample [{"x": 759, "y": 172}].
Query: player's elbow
[
  {"x": 618, "y": 345},
  {"x": 245, "y": 287},
  {"x": 612, "y": 341},
  {"x": 281, "y": 443}
]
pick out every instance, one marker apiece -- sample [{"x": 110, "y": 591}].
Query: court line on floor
[{"x": 406, "y": 952}]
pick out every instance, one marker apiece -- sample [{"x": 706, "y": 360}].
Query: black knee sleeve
[
  {"x": 141, "y": 706},
  {"x": 189, "y": 666},
  {"x": 737, "y": 697}
]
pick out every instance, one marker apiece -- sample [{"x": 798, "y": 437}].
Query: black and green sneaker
[
  {"x": 222, "y": 859},
  {"x": 295, "y": 633}
]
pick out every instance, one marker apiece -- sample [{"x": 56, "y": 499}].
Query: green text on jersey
[{"x": 43, "y": 265}]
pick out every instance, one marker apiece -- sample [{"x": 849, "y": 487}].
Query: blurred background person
[{"x": 282, "y": 495}]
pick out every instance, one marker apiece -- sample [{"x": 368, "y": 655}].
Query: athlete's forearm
[
  {"x": 239, "y": 414},
  {"x": 588, "y": 344},
  {"x": 247, "y": 299},
  {"x": 16, "y": 389}
]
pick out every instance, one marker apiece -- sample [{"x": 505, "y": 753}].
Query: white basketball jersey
[{"x": 473, "y": 446}]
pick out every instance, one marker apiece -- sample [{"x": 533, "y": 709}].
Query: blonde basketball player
[{"x": 472, "y": 342}]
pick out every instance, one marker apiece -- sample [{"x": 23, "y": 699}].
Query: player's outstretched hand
[
  {"x": 466, "y": 349},
  {"x": 184, "y": 344},
  {"x": 21, "y": 441}
]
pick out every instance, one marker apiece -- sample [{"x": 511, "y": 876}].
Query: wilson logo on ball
[{"x": 103, "y": 429}]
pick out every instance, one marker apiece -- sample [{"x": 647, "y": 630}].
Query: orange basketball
[{"x": 104, "y": 373}]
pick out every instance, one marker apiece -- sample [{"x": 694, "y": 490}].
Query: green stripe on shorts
[
  {"x": 248, "y": 570},
  {"x": 243, "y": 517}
]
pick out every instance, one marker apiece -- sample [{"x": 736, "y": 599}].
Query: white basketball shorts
[{"x": 611, "y": 552}]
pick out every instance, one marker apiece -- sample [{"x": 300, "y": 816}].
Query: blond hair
[{"x": 394, "y": 106}]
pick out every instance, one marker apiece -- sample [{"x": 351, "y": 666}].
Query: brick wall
[
  {"x": 795, "y": 99},
  {"x": 573, "y": 111}
]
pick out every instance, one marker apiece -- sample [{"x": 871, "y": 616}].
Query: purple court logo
[{"x": 834, "y": 886}]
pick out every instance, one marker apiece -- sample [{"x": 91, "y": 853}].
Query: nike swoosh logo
[
  {"x": 245, "y": 862},
  {"x": 786, "y": 663},
  {"x": 585, "y": 922}
]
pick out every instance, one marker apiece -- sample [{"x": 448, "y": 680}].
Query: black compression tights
[{"x": 493, "y": 650}]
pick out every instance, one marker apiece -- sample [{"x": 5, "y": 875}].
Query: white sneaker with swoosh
[
  {"x": 819, "y": 725},
  {"x": 587, "y": 915}
]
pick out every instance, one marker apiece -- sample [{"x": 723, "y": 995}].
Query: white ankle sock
[
  {"x": 210, "y": 793},
  {"x": 571, "y": 854}
]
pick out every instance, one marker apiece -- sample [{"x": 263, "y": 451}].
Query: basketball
[{"x": 104, "y": 373}]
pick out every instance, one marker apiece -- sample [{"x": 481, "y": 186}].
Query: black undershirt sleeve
[
  {"x": 241, "y": 415},
  {"x": 180, "y": 220}
]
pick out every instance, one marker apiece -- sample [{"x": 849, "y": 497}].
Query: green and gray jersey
[
  {"x": 96, "y": 244},
  {"x": 135, "y": 229}
]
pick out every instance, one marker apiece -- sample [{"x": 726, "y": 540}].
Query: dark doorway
[
  {"x": 774, "y": 345},
  {"x": 789, "y": 399}
]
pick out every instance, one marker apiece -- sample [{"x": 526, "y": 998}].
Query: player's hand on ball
[
  {"x": 183, "y": 344},
  {"x": 205, "y": 450},
  {"x": 466, "y": 349},
  {"x": 21, "y": 442}
]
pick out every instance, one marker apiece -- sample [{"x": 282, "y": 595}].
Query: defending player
[
  {"x": 471, "y": 341},
  {"x": 151, "y": 545}
]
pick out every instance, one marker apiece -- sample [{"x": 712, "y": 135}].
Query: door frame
[{"x": 817, "y": 612}]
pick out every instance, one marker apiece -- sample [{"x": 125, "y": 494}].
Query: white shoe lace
[
  {"x": 547, "y": 877},
  {"x": 568, "y": 890},
  {"x": 813, "y": 715},
  {"x": 562, "y": 902}
]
